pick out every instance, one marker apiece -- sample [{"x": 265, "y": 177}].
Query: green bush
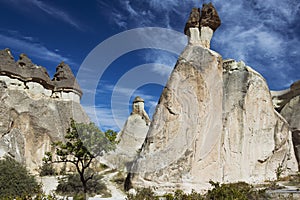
[
  {"x": 239, "y": 190},
  {"x": 142, "y": 194},
  {"x": 71, "y": 185},
  {"x": 180, "y": 195},
  {"x": 47, "y": 169},
  {"x": 15, "y": 180},
  {"x": 231, "y": 191}
]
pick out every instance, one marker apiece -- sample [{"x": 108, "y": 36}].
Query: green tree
[
  {"x": 15, "y": 180},
  {"x": 83, "y": 143},
  {"x": 111, "y": 135}
]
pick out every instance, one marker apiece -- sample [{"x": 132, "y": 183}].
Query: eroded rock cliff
[{"x": 34, "y": 110}]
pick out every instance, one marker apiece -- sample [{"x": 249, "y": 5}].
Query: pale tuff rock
[
  {"x": 183, "y": 141},
  {"x": 213, "y": 123},
  {"x": 31, "y": 118},
  {"x": 256, "y": 138},
  {"x": 281, "y": 98},
  {"x": 288, "y": 103},
  {"x": 131, "y": 137}
]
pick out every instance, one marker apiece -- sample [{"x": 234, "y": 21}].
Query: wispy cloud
[
  {"x": 102, "y": 116},
  {"x": 56, "y": 13},
  {"x": 114, "y": 116},
  {"x": 17, "y": 42},
  {"x": 47, "y": 8},
  {"x": 262, "y": 33},
  {"x": 131, "y": 14}
]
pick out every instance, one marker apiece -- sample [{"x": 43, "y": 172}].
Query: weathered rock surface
[
  {"x": 213, "y": 122},
  {"x": 256, "y": 138},
  {"x": 182, "y": 148},
  {"x": 31, "y": 118},
  {"x": 131, "y": 138},
  {"x": 288, "y": 103}
]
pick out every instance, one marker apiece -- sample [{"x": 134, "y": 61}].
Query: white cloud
[
  {"x": 102, "y": 116},
  {"x": 27, "y": 44},
  {"x": 263, "y": 33},
  {"x": 115, "y": 115},
  {"x": 48, "y": 9}
]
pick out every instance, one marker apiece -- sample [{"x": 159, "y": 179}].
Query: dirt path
[{"x": 116, "y": 193}]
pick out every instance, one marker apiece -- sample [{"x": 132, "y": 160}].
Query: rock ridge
[{"x": 23, "y": 74}]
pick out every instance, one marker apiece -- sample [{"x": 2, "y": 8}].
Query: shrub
[
  {"x": 142, "y": 194},
  {"x": 15, "y": 180},
  {"x": 71, "y": 185},
  {"x": 231, "y": 191},
  {"x": 239, "y": 190},
  {"x": 47, "y": 169}
]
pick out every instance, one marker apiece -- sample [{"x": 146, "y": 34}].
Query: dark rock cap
[
  {"x": 25, "y": 70},
  {"x": 64, "y": 79},
  {"x": 138, "y": 99},
  {"x": 193, "y": 21},
  {"x": 208, "y": 16},
  {"x": 7, "y": 63},
  {"x": 24, "y": 61}
]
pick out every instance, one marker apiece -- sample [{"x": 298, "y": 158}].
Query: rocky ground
[
  {"x": 286, "y": 189},
  {"x": 50, "y": 183}
]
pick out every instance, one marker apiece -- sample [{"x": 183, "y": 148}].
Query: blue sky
[{"x": 265, "y": 34}]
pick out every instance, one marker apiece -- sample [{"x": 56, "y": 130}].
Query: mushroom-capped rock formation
[
  {"x": 131, "y": 137},
  {"x": 287, "y": 102},
  {"x": 138, "y": 108},
  {"x": 35, "y": 79},
  {"x": 207, "y": 17},
  {"x": 201, "y": 25},
  {"x": 32, "y": 116},
  {"x": 23, "y": 69},
  {"x": 214, "y": 121},
  {"x": 64, "y": 79}
]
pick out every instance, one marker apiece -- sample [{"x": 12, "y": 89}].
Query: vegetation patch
[
  {"x": 71, "y": 185},
  {"x": 231, "y": 191},
  {"x": 15, "y": 181}
]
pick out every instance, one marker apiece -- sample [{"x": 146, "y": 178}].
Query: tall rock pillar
[{"x": 181, "y": 147}]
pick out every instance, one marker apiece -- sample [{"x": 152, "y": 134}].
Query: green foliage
[
  {"x": 180, "y": 195},
  {"x": 142, "y": 194},
  {"x": 239, "y": 190},
  {"x": 228, "y": 191},
  {"x": 231, "y": 191},
  {"x": 71, "y": 185},
  {"x": 42, "y": 196},
  {"x": 279, "y": 170},
  {"x": 83, "y": 143},
  {"x": 47, "y": 169},
  {"x": 111, "y": 135},
  {"x": 15, "y": 180}
]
